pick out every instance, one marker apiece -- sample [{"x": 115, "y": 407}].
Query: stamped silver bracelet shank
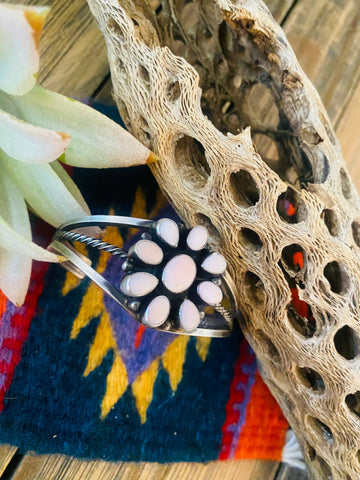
[{"x": 171, "y": 280}]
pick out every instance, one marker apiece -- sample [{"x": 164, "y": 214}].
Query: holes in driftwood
[
  {"x": 115, "y": 28},
  {"x": 290, "y": 207},
  {"x": 176, "y": 33},
  {"x": 250, "y": 239},
  {"x": 270, "y": 349},
  {"x": 293, "y": 257},
  {"x": 303, "y": 167},
  {"x": 191, "y": 161},
  {"x": 345, "y": 184},
  {"x": 320, "y": 429},
  {"x": 347, "y": 343},
  {"x": 227, "y": 40},
  {"x": 322, "y": 169},
  {"x": 310, "y": 135},
  {"x": 284, "y": 156},
  {"x": 201, "y": 219},
  {"x": 331, "y": 221},
  {"x": 261, "y": 105},
  {"x": 173, "y": 91},
  {"x": 323, "y": 318},
  {"x": 120, "y": 65},
  {"x": 337, "y": 277},
  {"x": 145, "y": 132},
  {"x": 267, "y": 149},
  {"x": 300, "y": 318},
  {"x": 355, "y": 227},
  {"x": 254, "y": 288},
  {"x": 247, "y": 23},
  {"x": 320, "y": 166},
  {"x": 310, "y": 452},
  {"x": 293, "y": 163},
  {"x": 325, "y": 470},
  {"x": 158, "y": 9},
  {"x": 353, "y": 402},
  {"x": 244, "y": 189},
  {"x": 294, "y": 166},
  {"x": 144, "y": 75},
  {"x": 311, "y": 379}
]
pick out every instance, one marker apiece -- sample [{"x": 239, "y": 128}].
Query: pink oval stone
[
  {"x": 138, "y": 284},
  {"x": 215, "y": 264},
  {"x": 197, "y": 238},
  {"x": 168, "y": 230},
  {"x": 210, "y": 293},
  {"x": 149, "y": 252},
  {"x": 157, "y": 311},
  {"x": 179, "y": 273},
  {"x": 189, "y": 315}
]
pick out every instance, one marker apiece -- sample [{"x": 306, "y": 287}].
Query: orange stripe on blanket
[
  {"x": 3, "y": 303},
  {"x": 263, "y": 435}
]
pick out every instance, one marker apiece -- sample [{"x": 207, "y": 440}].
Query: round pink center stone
[{"x": 179, "y": 273}]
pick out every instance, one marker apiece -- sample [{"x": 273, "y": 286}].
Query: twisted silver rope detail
[
  {"x": 93, "y": 242},
  {"x": 225, "y": 313}
]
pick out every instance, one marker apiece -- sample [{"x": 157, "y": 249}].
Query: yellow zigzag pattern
[
  {"x": 174, "y": 358},
  {"x": 92, "y": 306},
  {"x": 202, "y": 347},
  {"x": 143, "y": 388}
]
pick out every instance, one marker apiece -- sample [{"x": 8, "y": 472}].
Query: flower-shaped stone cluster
[{"x": 172, "y": 275}]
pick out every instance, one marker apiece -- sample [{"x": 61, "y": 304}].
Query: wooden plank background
[{"x": 325, "y": 35}]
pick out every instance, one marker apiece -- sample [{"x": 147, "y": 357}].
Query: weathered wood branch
[{"x": 276, "y": 197}]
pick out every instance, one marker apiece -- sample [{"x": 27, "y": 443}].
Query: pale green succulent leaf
[
  {"x": 15, "y": 269},
  {"x": 20, "y": 28},
  {"x": 16, "y": 243},
  {"x": 29, "y": 143},
  {"x": 96, "y": 141},
  {"x": 45, "y": 191},
  {"x": 12, "y": 205},
  {"x": 15, "y": 275},
  {"x": 16, "y": 249}
]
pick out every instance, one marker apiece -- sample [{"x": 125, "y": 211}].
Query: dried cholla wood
[{"x": 285, "y": 214}]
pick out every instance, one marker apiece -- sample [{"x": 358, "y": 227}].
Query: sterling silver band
[{"x": 215, "y": 320}]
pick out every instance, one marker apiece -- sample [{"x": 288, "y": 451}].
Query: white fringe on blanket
[{"x": 291, "y": 453}]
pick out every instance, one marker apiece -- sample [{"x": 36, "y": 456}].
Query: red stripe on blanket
[{"x": 20, "y": 321}]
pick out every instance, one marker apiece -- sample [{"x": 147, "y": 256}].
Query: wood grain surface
[{"x": 73, "y": 62}]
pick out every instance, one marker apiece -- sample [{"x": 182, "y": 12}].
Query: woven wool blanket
[{"x": 79, "y": 376}]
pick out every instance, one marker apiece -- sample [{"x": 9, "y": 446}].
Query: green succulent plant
[{"x": 37, "y": 129}]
